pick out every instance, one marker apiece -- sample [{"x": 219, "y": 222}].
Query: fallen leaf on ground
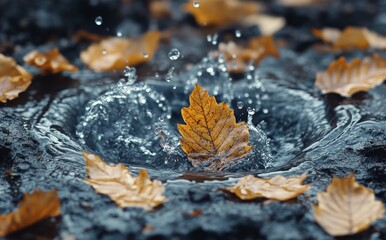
[
  {"x": 348, "y": 78},
  {"x": 159, "y": 8},
  {"x": 211, "y": 138},
  {"x": 301, "y": 3},
  {"x": 83, "y": 35},
  {"x": 267, "y": 24},
  {"x": 351, "y": 38},
  {"x": 347, "y": 207},
  {"x": 49, "y": 62},
  {"x": 13, "y": 79},
  {"x": 116, "y": 53},
  {"x": 276, "y": 188},
  {"x": 220, "y": 12},
  {"x": 33, "y": 208},
  {"x": 238, "y": 58},
  {"x": 125, "y": 190}
]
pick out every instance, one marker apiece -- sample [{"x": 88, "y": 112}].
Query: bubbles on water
[
  {"x": 119, "y": 34},
  {"x": 169, "y": 75},
  {"x": 240, "y": 105},
  {"x": 130, "y": 73},
  {"x": 98, "y": 20},
  {"x": 196, "y": 4},
  {"x": 174, "y": 54}
]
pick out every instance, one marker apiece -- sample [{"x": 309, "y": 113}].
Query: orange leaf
[
  {"x": 238, "y": 58},
  {"x": 348, "y": 78},
  {"x": 276, "y": 188},
  {"x": 49, "y": 62},
  {"x": 220, "y": 12},
  {"x": 211, "y": 136},
  {"x": 115, "y": 53},
  {"x": 159, "y": 8},
  {"x": 267, "y": 24},
  {"x": 13, "y": 79},
  {"x": 125, "y": 190},
  {"x": 347, "y": 207},
  {"x": 34, "y": 207},
  {"x": 351, "y": 38}
]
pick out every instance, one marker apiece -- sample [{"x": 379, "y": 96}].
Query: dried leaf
[
  {"x": 276, "y": 188},
  {"x": 220, "y": 12},
  {"x": 159, "y": 9},
  {"x": 238, "y": 58},
  {"x": 267, "y": 24},
  {"x": 211, "y": 137},
  {"x": 348, "y": 78},
  {"x": 49, "y": 62},
  {"x": 115, "y": 53},
  {"x": 347, "y": 207},
  {"x": 83, "y": 35},
  {"x": 351, "y": 38},
  {"x": 125, "y": 190},
  {"x": 13, "y": 79},
  {"x": 34, "y": 207}
]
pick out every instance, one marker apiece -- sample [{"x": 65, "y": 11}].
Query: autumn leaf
[
  {"x": 116, "y": 53},
  {"x": 211, "y": 137},
  {"x": 13, "y": 79},
  {"x": 351, "y": 38},
  {"x": 276, "y": 188},
  {"x": 267, "y": 24},
  {"x": 125, "y": 190},
  {"x": 49, "y": 62},
  {"x": 348, "y": 78},
  {"x": 159, "y": 9},
  {"x": 301, "y": 3},
  {"x": 34, "y": 207},
  {"x": 347, "y": 207},
  {"x": 238, "y": 58}
]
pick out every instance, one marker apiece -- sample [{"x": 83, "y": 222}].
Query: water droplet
[
  {"x": 240, "y": 105},
  {"x": 145, "y": 55},
  {"x": 251, "y": 111},
  {"x": 265, "y": 111},
  {"x": 131, "y": 74},
  {"x": 196, "y": 4},
  {"x": 174, "y": 54},
  {"x": 98, "y": 20},
  {"x": 238, "y": 33},
  {"x": 156, "y": 75},
  {"x": 104, "y": 52},
  {"x": 169, "y": 75},
  {"x": 119, "y": 34}
]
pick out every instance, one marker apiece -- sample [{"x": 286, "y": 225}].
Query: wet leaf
[
  {"x": 34, "y": 207},
  {"x": 238, "y": 58},
  {"x": 267, "y": 24},
  {"x": 49, "y": 62},
  {"x": 13, "y": 79},
  {"x": 83, "y": 35},
  {"x": 348, "y": 78},
  {"x": 301, "y": 3},
  {"x": 347, "y": 207},
  {"x": 221, "y": 12},
  {"x": 159, "y": 9},
  {"x": 276, "y": 188},
  {"x": 125, "y": 190},
  {"x": 351, "y": 38},
  {"x": 115, "y": 53},
  {"x": 211, "y": 138}
]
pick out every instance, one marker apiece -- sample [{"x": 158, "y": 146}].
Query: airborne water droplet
[
  {"x": 145, "y": 55},
  {"x": 238, "y": 33},
  {"x": 174, "y": 54},
  {"x": 104, "y": 52},
  {"x": 240, "y": 105},
  {"x": 169, "y": 75},
  {"x": 196, "y": 4},
  {"x": 98, "y": 20}
]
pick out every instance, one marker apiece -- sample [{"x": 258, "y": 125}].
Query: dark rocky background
[{"x": 44, "y": 131}]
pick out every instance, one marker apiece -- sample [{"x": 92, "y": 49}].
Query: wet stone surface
[{"x": 294, "y": 129}]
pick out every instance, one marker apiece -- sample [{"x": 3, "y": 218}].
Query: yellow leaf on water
[
  {"x": 125, "y": 190},
  {"x": 351, "y": 38},
  {"x": 220, "y": 12},
  {"x": 238, "y": 58},
  {"x": 116, "y": 53},
  {"x": 211, "y": 137},
  {"x": 276, "y": 188},
  {"x": 347, "y": 207},
  {"x": 13, "y": 79},
  {"x": 34, "y": 207},
  {"x": 49, "y": 62},
  {"x": 348, "y": 78}
]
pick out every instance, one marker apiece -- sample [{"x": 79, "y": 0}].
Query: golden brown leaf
[
  {"x": 347, "y": 207},
  {"x": 348, "y": 78},
  {"x": 125, "y": 190},
  {"x": 49, "y": 62},
  {"x": 238, "y": 58},
  {"x": 13, "y": 79},
  {"x": 220, "y": 12},
  {"x": 159, "y": 8},
  {"x": 115, "y": 53},
  {"x": 276, "y": 188},
  {"x": 34, "y": 207},
  {"x": 211, "y": 136},
  {"x": 351, "y": 38},
  {"x": 83, "y": 35},
  {"x": 267, "y": 24}
]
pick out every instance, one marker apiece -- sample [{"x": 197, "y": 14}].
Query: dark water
[{"x": 294, "y": 130}]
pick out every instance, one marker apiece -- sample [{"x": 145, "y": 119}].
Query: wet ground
[{"x": 294, "y": 128}]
